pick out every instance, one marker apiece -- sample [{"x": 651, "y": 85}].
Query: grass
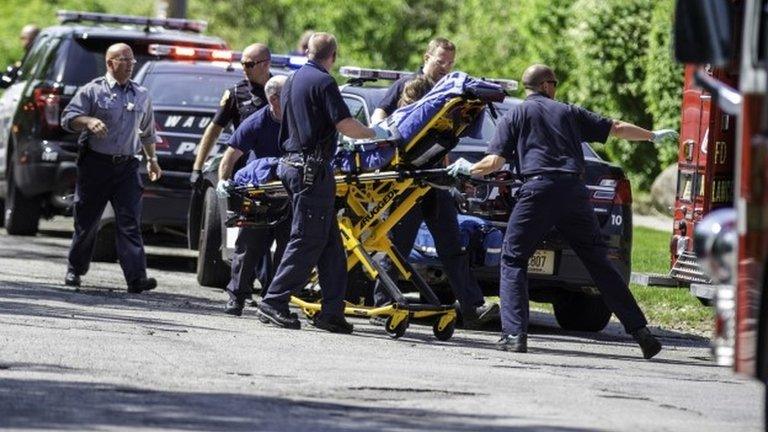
[{"x": 672, "y": 309}]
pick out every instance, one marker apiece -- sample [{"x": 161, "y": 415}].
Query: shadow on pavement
[{"x": 68, "y": 405}]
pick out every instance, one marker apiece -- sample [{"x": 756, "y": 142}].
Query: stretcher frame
[{"x": 374, "y": 202}]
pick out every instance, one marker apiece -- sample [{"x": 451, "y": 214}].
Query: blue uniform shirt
[
  {"x": 125, "y": 110},
  {"x": 312, "y": 105},
  {"x": 546, "y": 135},
  {"x": 258, "y": 134}
]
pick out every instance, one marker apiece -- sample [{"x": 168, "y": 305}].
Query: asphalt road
[{"x": 170, "y": 360}]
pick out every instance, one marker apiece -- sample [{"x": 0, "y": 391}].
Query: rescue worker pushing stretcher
[
  {"x": 542, "y": 138},
  {"x": 313, "y": 112}
]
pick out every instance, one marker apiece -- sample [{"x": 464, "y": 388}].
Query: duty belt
[
  {"x": 114, "y": 159},
  {"x": 295, "y": 160}
]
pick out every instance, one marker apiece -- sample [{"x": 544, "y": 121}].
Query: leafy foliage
[{"x": 611, "y": 56}]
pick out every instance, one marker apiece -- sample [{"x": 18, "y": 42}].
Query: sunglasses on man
[{"x": 250, "y": 64}]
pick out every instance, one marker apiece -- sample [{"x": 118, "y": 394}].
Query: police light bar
[
  {"x": 287, "y": 61},
  {"x": 66, "y": 16},
  {"x": 193, "y": 53},
  {"x": 506, "y": 84},
  {"x": 355, "y": 72}
]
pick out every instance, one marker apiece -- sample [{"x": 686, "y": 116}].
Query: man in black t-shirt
[{"x": 543, "y": 138}]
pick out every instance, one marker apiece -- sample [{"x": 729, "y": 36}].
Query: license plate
[{"x": 542, "y": 262}]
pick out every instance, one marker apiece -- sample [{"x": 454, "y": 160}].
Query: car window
[
  {"x": 83, "y": 60},
  {"x": 357, "y": 108},
  {"x": 34, "y": 57},
  {"x": 174, "y": 88}
]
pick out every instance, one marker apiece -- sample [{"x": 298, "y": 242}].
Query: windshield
[{"x": 174, "y": 89}]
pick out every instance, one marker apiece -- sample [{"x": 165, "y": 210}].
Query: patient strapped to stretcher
[{"x": 408, "y": 121}]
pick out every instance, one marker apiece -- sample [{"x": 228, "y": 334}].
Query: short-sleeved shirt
[
  {"x": 312, "y": 106},
  {"x": 125, "y": 110},
  {"x": 392, "y": 97},
  {"x": 546, "y": 135},
  {"x": 239, "y": 102},
  {"x": 258, "y": 134}
]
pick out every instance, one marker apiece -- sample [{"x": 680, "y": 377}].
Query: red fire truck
[{"x": 732, "y": 242}]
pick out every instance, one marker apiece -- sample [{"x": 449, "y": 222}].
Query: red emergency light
[{"x": 193, "y": 53}]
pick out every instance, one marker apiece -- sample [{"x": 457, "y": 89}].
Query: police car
[
  {"x": 556, "y": 274},
  {"x": 37, "y": 157}
]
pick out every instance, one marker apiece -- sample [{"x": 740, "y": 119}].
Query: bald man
[
  {"x": 313, "y": 112},
  {"x": 238, "y": 102},
  {"x": 27, "y": 36},
  {"x": 114, "y": 117},
  {"x": 542, "y": 138}
]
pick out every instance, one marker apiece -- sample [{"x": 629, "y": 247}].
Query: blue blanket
[{"x": 257, "y": 171}]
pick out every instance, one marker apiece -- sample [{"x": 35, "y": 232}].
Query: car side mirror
[{"x": 702, "y": 32}]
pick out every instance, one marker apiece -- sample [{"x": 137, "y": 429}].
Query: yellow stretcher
[{"x": 373, "y": 202}]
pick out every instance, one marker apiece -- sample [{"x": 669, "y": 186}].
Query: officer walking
[
  {"x": 237, "y": 104},
  {"x": 115, "y": 119},
  {"x": 313, "y": 112},
  {"x": 543, "y": 137},
  {"x": 437, "y": 209},
  {"x": 258, "y": 134}
]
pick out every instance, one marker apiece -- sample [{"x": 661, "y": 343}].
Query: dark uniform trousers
[
  {"x": 252, "y": 255},
  {"x": 438, "y": 210},
  {"x": 563, "y": 203},
  {"x": 315, "y": 240},
  {"x": 100, "y": 180}
]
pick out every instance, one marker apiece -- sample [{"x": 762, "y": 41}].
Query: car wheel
[
  {"x": 211, "y": 269},
  {"x": 105, "y": 249},
  {"x": 22, "y": 213},
  {"x": 581, "y": 312}
]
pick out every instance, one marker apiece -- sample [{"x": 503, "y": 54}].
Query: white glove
[
  {"x": 221, "y": 188},
  {"x": 663, "y": 134},
  {"x": 381, "y": 133},
  {"x": 347, "y": 143},
  {"x": 460, "y": 167}
]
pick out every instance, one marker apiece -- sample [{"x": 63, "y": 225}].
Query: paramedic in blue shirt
[
  {"x": 437, "y": 209},
  {"x": 313, "y": 112},
  {"x": 115, "y": 119},
  {"x": 258, "y": 134},
  {"x": 543, "y": 138}
]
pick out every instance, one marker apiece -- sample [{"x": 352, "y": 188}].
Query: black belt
[
  {"x": 552, "y": 175},
  {"x": 113, "y": 159}
]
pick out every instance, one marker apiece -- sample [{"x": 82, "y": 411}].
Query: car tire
[
  {"x": 581, "y": 312},
  {"x": 22, "y": 213},
  {"x": 211, "y": 269},
  {"x": 105, "y": 248}
]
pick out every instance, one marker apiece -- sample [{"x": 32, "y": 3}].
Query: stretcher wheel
[
  {"x": 399, "y": 329},
  {"x": 446, "y": 333}
]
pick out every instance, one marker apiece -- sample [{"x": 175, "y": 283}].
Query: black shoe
[
  {"x": 269, "y": 315},
  {"x": 141, "y": 285},
  {"x": 487, "y": 312},
  {"x": 514, "y": 343},
  {"x": 378, "y": 320},
  {"x": 332, "y": 323},
  {"x": 234, "y": 307},
  {"x": 648, "y": 342},
  {"x": 72, "y": 279}
]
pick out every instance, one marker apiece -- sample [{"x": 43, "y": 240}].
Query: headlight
[{"x": 715, "y": 244}]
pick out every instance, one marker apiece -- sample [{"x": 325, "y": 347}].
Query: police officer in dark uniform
[
  {"x": 543, "y": 137},
  {"x": 27, "y": 37},
  {"x": 437, "y": 209},
  {"x": 237, "y": 104},
  {"x": 115, "y": 119},
  {"x": 313, "y": 112},
  {"x": 258, "y": 134}
]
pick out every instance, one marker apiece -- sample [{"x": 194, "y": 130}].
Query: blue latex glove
[
  {"x": 381, "y": 133},
  {"x": 663, "y": 134},
  {"x": 221, "y": 188},
  {"x": 460, "y": 167}
]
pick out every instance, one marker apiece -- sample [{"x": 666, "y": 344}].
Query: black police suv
[
  {"x": 556, "y": 274},
  {"x": 37, "y": 157}
]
